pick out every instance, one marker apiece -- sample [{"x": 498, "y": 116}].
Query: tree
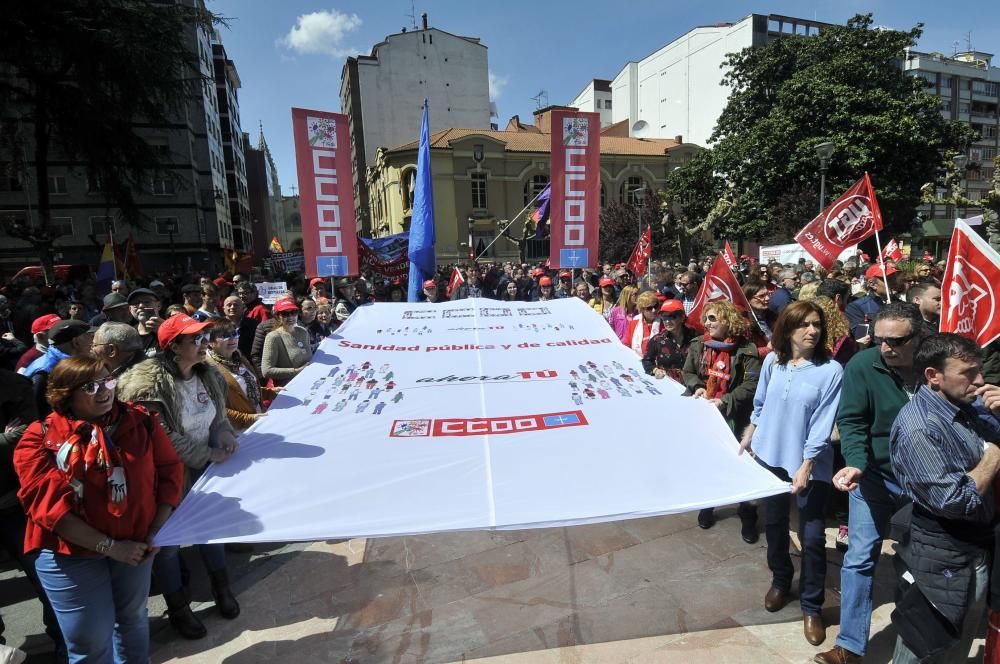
[
  {"x": 695, "y": 200},
  {"x": 845, "y": 85},
  {"x": 76, "y": 79}
]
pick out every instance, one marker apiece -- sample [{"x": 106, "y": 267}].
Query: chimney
[
  {"x": 678, "y": 139},
  {"x": 423, "y": 19}
]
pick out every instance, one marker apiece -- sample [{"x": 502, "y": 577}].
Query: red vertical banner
[
  {"x": 326, "y": 193},
  {"x": 575, "y": 211}
]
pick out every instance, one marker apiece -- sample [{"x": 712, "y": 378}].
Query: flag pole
[
  {"x": 881, "y": 259},
  {"x": 523, "y": 210},
  {"x": 114, "y": 254}
]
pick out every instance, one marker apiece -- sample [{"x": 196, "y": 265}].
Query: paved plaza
[{"x": 648, "y": 590}]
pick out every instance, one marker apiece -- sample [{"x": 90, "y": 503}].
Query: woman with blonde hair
[
  {"x": 723, "y": 366},
  {"x": 624, "y": 311},
  {"x": 645, "y": 324}
]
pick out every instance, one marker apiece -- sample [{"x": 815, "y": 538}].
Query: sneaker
[{"x": 842, "y": 538}]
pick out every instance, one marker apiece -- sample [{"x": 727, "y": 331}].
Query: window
[
  {"x": 629, "y": 189},
  {"x": 988, "y": 154},
  {"x": 985, "y": 88},
  {"x": 57, "y": 184},
  {"x": 945, "y": 83},
  {"x": 166, "y": 225},
  {"x": 963, "y": 107},
  {"x": 161, "y": 152},
  {"x": 989, "y": 131},
  {"x": 162, "y": 187},
  {"x": 95, "y": 185},
  {"x": 102, "y": 226},
  {"x": 14, "y": 217},
  {"x": 607, "y": 103},
  {"x": 479, "y": 191},
  {"x": 533, "y": 187},
  {"x": 62, "y": 226},
  {"x": 9, "y": 181}
]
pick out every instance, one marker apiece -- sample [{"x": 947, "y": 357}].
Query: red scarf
[
  {"x": 80, "y": 445},
  {"x": 717, "y": 365}
]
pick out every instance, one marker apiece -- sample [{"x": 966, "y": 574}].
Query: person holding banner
[
  {"x": 624, "y": 312},
  {"x": 98, "y": 477},
  {"x": 644, "y": 325},
  {"x": 667, "y": 351},
  {"x": 789, "y": 434},
  {"x": 190, "y": 398},
  {"x": 604, "y": 301},
  {"x": 723, "y": 366}
]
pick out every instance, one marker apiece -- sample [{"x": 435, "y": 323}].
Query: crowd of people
[{"x": 111, "y": 408}]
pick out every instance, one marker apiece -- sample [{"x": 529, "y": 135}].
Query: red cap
[
  {"x": 606, "y": 281},
  {"x": 430, "y": 283},
  {"x": 537, "y": 272},
  {"x": 671, "y": 306},
  {"x": 565, "y": 275},
  {"x": 545, "y": 281},
  {"x": 875, "y": 271},
  {"x": 317, "y": 281},
  {"x": 221, "y": 281},
  {"x": 285, "y": 304},
  {"x": 43, "y": 323},
  {"x": 177, "y": 325}
]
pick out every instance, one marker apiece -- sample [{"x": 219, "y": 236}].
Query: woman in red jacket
[{"x": 98, "y": 479}]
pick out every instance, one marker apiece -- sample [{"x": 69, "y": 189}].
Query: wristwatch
[{"x": 104, "y": 546}]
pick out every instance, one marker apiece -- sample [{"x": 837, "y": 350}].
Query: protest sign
[
  {"x": 271, "y": 291},
  {"x": 289, "y": 261},
  {"x": 472, "y": 414},
  {"x": 385, "y": 256}
]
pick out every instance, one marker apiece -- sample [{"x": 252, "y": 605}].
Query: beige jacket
[{"x": 285, "y": 352}]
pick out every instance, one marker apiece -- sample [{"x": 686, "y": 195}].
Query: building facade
[
  {"x": 968, "y": 86},
  {"x": 596, "y": 98},
  {"x": 678, "y": 89},
  {"x": 185, "y": 218},
  {"x": 292, "y": 220},
  {"x": 266, "y": 212},
  {"x": 227, "y": 85},
  {"x": 484, "y": 177},
  {"x": 382, "y": 94}
]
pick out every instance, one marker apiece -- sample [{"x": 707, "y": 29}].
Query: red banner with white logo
[
  {"x": 719, "y": 284},
  {"x": 326, "y": 192},
  {"x": 892, "y": 252},
  {"x": 846, "y": 222},
  {"x": 455, "y": 281},
  {"x": 639, "y": 260},
  {"x": 575, "y": 208},
  {"x": 969, "y": 303},
  {"x": 728, "y": 255}
]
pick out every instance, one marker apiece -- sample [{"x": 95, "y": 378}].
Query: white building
[
  {"x": 383, "y": 94},
  {"x": 677, "y": 90},
  {"x": 596, "y": 98}
]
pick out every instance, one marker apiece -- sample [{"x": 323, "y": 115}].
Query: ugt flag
[
  {"x": 846, "y": 222},
  {"x": 728, "y": 255},
  {"x": 455, "y": 281},
  {"x": 639, "y": 260},
  {"x": 719, "y": 284},
  {"x": 968, "y": 295},
  {"x": 892, "y": 252}
]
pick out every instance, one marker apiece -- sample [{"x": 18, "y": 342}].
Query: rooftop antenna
[
  {"x": 412, "y": 15},
  {"x": 954, "y": 45},
  {"x": 542, "y": 94},
  {"x": 968, "y": 41}
]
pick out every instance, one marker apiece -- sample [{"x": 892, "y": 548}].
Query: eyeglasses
[
  {"x": 94, "y": 386},
  {"x": 235, "y": 334},
  {"x": 711, "y": 318},
  {"x": 201, "y": 338},
  {"x": 893, "y": 342}
]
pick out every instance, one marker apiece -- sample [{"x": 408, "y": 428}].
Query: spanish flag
[
  {"x": 107, "y": 269},
  {"x": 276, "y": 247}
]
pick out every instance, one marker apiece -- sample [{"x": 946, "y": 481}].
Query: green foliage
[{"x": 846, "y": 86}]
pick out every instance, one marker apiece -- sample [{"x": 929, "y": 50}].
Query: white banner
[
  {"x": 472, "y": 414},
  {"x": 791, "y": 253}
]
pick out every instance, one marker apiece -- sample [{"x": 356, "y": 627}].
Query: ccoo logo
[
  {"x": 967, "y": 288},
  {"x": 848, "y": 221}
]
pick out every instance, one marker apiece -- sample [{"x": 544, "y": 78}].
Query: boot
[
  {"x": 224, "y": 600},
  {"x": 748, "y": 522},
  {"x": 706, "y": 518},
  {"x": 182, "y": 619}
]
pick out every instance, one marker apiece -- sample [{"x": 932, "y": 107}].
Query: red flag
[
  {"x": 969, "y": 301},
  {"x": 892, "y": 252},
  {"x": 728, "y": 255},
  {"x": 719, "y": 284},
  {"x": 133, "y": 266},
  {"x": 456, "y": 279},
  {"x": 639, "y": 259},
  {"x": 846, "y": 222}
]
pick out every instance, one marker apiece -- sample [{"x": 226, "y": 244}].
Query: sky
[{"x": 291, "y": 53}]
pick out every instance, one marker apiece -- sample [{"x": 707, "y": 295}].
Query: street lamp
[
  {"x": 961, "y": 161},
  {"x": 823, "y": 151}
]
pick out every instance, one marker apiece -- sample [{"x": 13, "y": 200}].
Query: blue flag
[{"x": 423, "y": 263}]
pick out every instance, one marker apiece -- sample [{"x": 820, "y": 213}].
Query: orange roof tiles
[{"x": 522, "y": 141}]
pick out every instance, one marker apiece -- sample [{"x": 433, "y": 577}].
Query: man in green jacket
[{"x": 877, "y": 383}]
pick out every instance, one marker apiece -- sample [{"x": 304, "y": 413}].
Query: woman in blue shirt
[{"x": 789, "y": 434}]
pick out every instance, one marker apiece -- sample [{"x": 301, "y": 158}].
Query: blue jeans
[
  {"x": 100, "y": 605},
  {"x": 811, "y": 503},
  {"x": 167, "y": 564},
  {"x": 12, "y": 525},
  {"x": 980, "y": 585},
  {"x": 870, "y": 507}
]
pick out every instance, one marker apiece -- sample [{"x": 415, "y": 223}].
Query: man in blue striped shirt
[{"x": 944, "y": 456}]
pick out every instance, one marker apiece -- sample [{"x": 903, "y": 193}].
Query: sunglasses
[
  {"x": 94, "y": 386},
  {"x": 652, "y": 308},
  {"x": 711, "y": 318},
  {"x": 893, "y": 342},
  {"x": 235, "y": 334},
  {"x": 673, "y": 316},
  {"x": 200, "y": 338}
]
